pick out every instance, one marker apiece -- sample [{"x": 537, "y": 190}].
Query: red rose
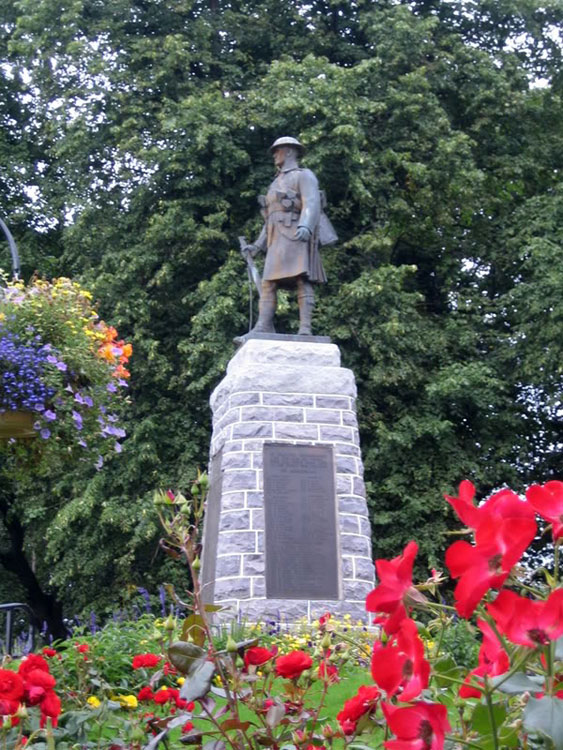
[
  {"x": 256, "y": 656},
  {"x": 36, "y": 684},
  {"x": 33, "y": 661},
  {"x": 145, "y": 694},
  {"x": 11, "y": 686},
  {"x": 162, "y": 696},
  {"x": 145, "y": 660},
  {"x": 188, "y": 726},
  {"x": 293, "y": 664},
  {"x": 50, "y": 707},
  {"x": 82, "y": 648},
  {"x": 49, "y": 652}
]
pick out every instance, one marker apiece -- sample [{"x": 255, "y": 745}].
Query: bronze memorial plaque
[
  {"x": 302, "y": 558},
  {"x": 211, "y": 529}
]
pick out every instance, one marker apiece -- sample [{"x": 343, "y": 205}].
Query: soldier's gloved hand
[
  {"x": 251, "y": 250},
  {"x": 303, "y": 234}
]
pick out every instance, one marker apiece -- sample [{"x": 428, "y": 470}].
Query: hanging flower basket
[
  {"x": 17, "y": 424},
  {"x": 62, "y": 375}
]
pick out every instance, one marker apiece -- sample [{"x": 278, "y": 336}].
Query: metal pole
[{"x": 13, "y": 250}]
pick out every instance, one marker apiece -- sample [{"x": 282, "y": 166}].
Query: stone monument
[{"x": 287, "y": 532}]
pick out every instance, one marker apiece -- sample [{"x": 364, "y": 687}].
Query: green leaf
[
  {"x": 545, "y": 716},
  {"x": 184, "y": 655},
  {"x": 481, "y": 720},
  {"x": 193, "y": 628},
  {"x": 448, "y": 668},
  {"x": 198, "y": 683},
  {"x": 519, "y": 682}
]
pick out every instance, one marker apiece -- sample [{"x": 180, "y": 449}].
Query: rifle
[{"x": 253, "y": 274}]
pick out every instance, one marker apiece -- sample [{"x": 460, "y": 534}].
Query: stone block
[
  {"x": 365, "y": 527},
  {"x": 347, "y": 449},
  {"x": 232, "y": 588},
  {"x": 343, "y": 484},
  {"x": 333, "y": 402},
  {"x": 254, "y": 499},
  {"x": 260, "y": 541},
  {"x": 236, "y": 542},
  {"x": 322, "y": 416},
  {"x": 273, "y": 352},
  {"x": 347, "y": 567},
  {"x": 232, "y": 415},
  {"x": 352, "y": 504},
  {"x": 232, "y": 501},
  {"x": 258, "y": 519},
  {"x": 253, "y": 446},
  {"x": 364, "y": 569},
  {"x": 239, "y": 479},
  {"x": 346, "y": 465},
  {"x": 279, "y": 610},
  {"x": 236, "y": 461},
  {"x": 356, "y": 590},
  {"x": 359, "y": 487},
  {"x": 335, "y": 434},
  {"x": 349, "y": 418},
  {"x": 233, "y": 446},
  {"x": 228, "y": 566},
  {"x": 294, "y": 379},
  {"x": 296, "y": 431},
  {"x": 253, "y": 565},
  {"x": 252, "y": 430},
  {"x": 257, "y": 460},
  {"x": 338, "y": 609},
  {"x": 258, "y": 587},
  {"x": 236, "y": 519},
  {"x": 354, "y": 544},
  {"x": 287, "y": 399},
  {"x": 348, "y": 524},
  {"x": 243, "y": 399},
  {"x": 271, "y": 414}
]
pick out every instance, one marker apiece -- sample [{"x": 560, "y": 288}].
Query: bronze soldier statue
[{"x": 294, "y": 226}]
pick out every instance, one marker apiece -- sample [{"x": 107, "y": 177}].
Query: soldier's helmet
[{"x": 287, "y": 140}]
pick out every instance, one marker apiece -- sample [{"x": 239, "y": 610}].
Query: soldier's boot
[
  {"x": 306, "y": 304},
  {"x": 266, "y": 309}
]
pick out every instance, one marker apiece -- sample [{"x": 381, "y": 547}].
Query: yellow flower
[
  {"x": 93, "y": 701},
  {"x": 180, "y": 681},
  {"x": 128, "y": 701}
]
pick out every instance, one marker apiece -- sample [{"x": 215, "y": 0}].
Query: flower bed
[{"x": 172, "y": 682}]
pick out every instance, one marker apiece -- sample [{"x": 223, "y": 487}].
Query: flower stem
[{"x": 490, "y": 709}]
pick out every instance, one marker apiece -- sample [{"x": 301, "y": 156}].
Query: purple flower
[
  {"x": 78, "y": 397},
  {"x": 83, "y": 443},
  {"x": 112, "y": 388},
  {"x": 61, "y": 366},
  {"x": 52, "y": 360},
  {"x": 49, "y": 415},
  {"x": 99, "y": 463},
  {"x": 88, "y": 401},
  {"x": 118, "y": 447},
  {"x": 77, "y": 419},
  {"x": 45, "y": 433}
]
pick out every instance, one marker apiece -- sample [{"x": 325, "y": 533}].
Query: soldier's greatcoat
[{"x": 293, "y": 200}]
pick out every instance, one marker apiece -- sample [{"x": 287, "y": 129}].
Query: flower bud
[
  {"x": 194, "y": 490},
  {"x": 231, "y": 646},
  {"x": 169, "y": 623},
  {"x": 328, "y": 732},
  {"x": 326, "y": 641},
  {"x": 204, "y": 482},
  {"x": 196, "y": 565}
]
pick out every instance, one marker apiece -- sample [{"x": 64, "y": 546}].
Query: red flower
[
  {"x": 169, "y": 669},
  {"x": 50, "y": 707},
  {"x": 188, "y": 726},
  {"x": 11, "y": 688},
  {"x": 505, "y": 527},
  {"x": 82, "y": 648},
  {"x": 145, "y": 660},
  {"x": 323, "y": 620},
  {"x": 293, "y": 664},
  {"x": 527, "y": 622},
  {"x": 395, "y": 588},
  {"x": 547, "y": 500},
  {"x": 364, "y": 702},
  {"x": 31, "y": 662},
  {"x": 401, "y": 666},
  {"x": 49, "y": 652},
  {"x": 257, "y": 656},
  {"x": 328, "y": 672},
  {"x": 419, "y": 727},
  {"x": 493, "y": 660},
  {"x": 463, "y": 505},
  {"x": 162, "y": 696},
  {"x": 145, "y": 694},
  {"x": 37, "y": 683}
]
